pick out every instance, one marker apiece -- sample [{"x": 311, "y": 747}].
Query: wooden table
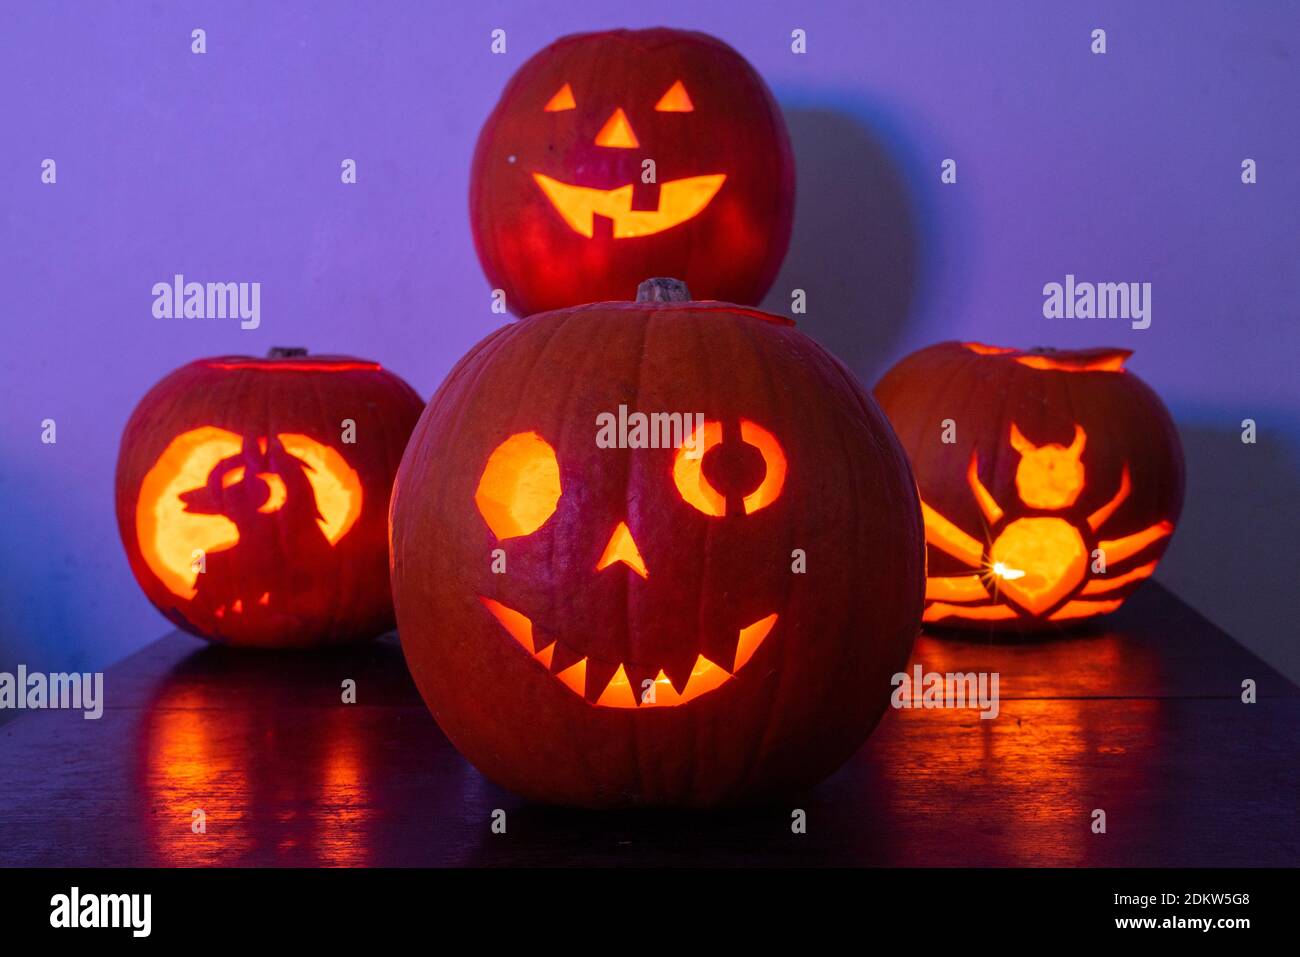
[{"x": 1142, "y": 718}]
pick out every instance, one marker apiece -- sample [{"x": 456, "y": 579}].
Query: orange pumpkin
[
  {"x": 1050, "y": 480},
  {"x": 252, "y": 496},
  {"x": 668, "y": 621},
  {"x": 615, "y": 156}
]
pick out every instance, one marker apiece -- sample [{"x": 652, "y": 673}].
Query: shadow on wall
[
  {"x": 50, "y": 561},
  {"x": 854, "y": 248},
  {"x": 1234, "y": 554}
]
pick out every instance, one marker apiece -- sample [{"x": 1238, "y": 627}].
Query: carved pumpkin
[
  {"x": 1050, "y": 480},
  {"x": 252, "y": 495},
  {"x": 561, "y": 210},
  {"x": 712, "y": 619}
]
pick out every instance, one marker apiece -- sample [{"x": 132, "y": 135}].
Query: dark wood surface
[{"x": 1141, "y": 717}]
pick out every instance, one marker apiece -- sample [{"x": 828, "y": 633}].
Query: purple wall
[{"x": 225, "y": 166}]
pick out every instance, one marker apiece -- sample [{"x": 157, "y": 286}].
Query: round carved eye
[
  {"x": 519, "y": 487},
  {"x": 755, "y": 472}
]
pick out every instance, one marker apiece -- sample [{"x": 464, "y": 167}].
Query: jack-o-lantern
[
  {"x": 252, "y": 496},
  {"x": 706, "y": 611},
  {"x": 615, "y": 156},
  {"x": 1050, "y": 480}
]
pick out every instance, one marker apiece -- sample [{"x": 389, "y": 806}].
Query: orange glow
[
  {"x": 1099, "y": 586},
  {"x": 947, "y": 537},
  {"x": 988, "y": 505},
  {"x": 1099, "y": 517},
  {"x": 618, "y": 693},
  {"x": 751, "y": 636},
  {"x": 705, "y": 675},
  {"x": 1038, "y": 561},
  {"x": 335, "y": 484},
  {"x": 520, "y": 486},
  {"x": 1084, "y": 609},
  {"x": 679, "y": 200},
  {"x": 518, "y": 625},
  {"x": 190, "y": 763},
  {"x": 940, "y": 610},
  {"x": 1049, "y": 476},
  {"x": 617, "y": 132},
  {"x": 574, "y": 677},
  {"x": 169, "y": 535},
  {"x": 278, "y": 493},
  {"x": 562, "y": 100},
  {"x": 676, "y": 100},
  {"x": 622, "y": 548},
  {"x": 696, "y": 490},
  {"x": 1089, "y": 360},
  {"x": 774, "y": 460},
  {"x": 980, "y": 349},
  {"x": 688, "y": 471},
  {"x": 956, "y": 588},
  {"x": 1113, "y": 363},
  {"x": 1121, "y": 548}
]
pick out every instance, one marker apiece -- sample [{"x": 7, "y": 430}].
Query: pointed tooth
[
  {"x": 618, "y": 693},
  {"x": 542, "y": 638},
  {"x": 706, "y": 676},
  {"x": 750, "y": 639},
  {"x": 677, "y": 667},
  {"x": 574, "y": 677},
  {"x": 564, "y": 658},
  {"x": 637, "y": 676},
  {"x": 599, "y": 674},
  {"x": 666, "y": 696}
]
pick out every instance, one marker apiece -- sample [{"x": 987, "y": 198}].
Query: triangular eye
[
  {"x": 675, "y": 100},
  {"x": 563, "y": 100}
]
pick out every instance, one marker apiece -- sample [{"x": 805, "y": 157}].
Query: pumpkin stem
[
  {"x": 663, "y": 289},
  {"x": 286, "y": 352}
]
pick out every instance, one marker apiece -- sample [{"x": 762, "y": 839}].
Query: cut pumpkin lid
[{"x": 1097, "y": 359}]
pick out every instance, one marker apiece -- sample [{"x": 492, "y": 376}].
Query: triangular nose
[
  {"x": 622, "y": 548},
  {"x": 617, "y": 132}
]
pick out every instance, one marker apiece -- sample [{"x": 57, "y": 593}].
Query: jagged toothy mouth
[
  {"x": 618, "y": 692},
  {"x": 679, "y": 200}
]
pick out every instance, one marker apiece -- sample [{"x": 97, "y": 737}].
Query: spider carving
[{"x": 1036, "y": 563}]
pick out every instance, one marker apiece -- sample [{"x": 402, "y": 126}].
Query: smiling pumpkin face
[
  {"x": 560, "y": 203},
  {"x": 680, "y": 625}
]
